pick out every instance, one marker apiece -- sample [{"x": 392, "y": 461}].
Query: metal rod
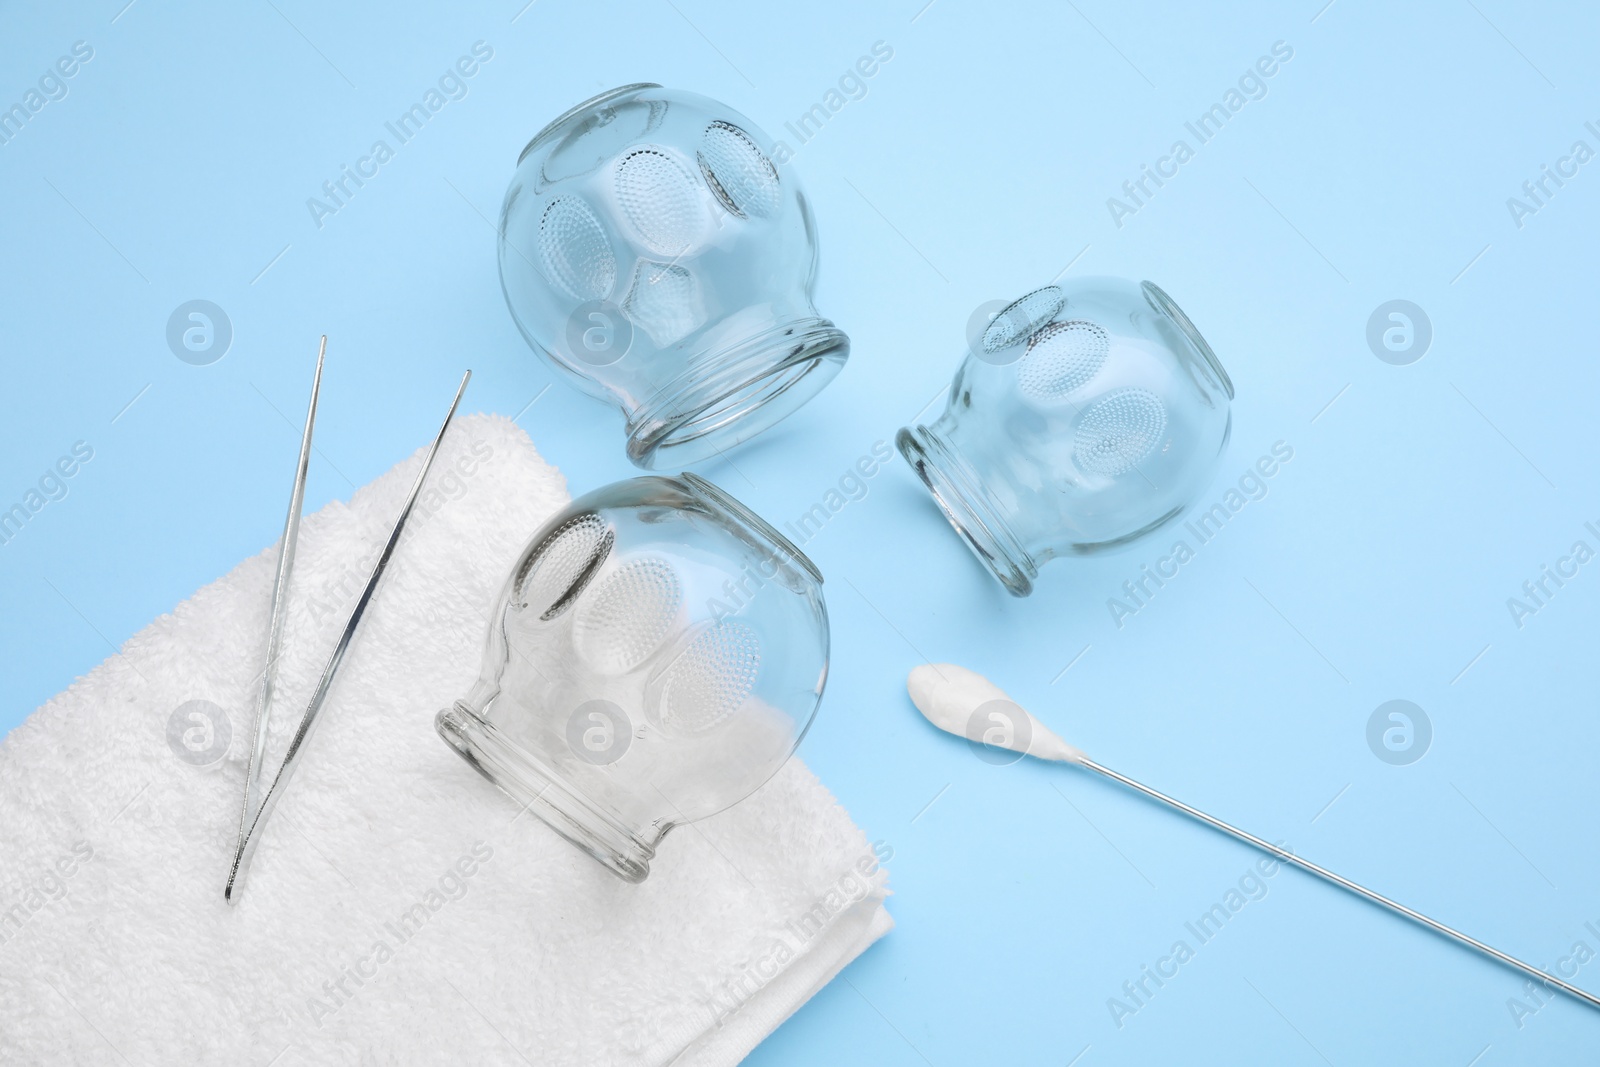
[
  {"x": 1344, "y": 883},
  {"x": 291, "y": 759},
  {"x": 280, "y": 597}
]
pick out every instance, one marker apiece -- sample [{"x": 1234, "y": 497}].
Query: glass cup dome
[
  {"x": 1083, "y": 416},
  {"x": 653, "y": 252},
  {"x": 656, "y": 654}
]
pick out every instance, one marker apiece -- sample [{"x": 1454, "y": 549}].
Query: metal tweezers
[{"x": 251, "y": 817}]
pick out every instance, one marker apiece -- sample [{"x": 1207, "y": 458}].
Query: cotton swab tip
[{"x": 967, "y": 704}]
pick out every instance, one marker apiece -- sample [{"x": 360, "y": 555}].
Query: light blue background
[{"x": 977, "y": 166}]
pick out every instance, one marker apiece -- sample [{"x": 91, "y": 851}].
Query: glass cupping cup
[
  {"x": 653, "y": 251},
  {"x": 1084, "y": 415},
  {"x": 655, "y": 655}
]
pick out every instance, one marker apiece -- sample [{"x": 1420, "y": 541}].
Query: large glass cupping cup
[
  {"x": 1083, "y": 416},
  {"x": 656, "y": 654},
  {"x": 653, "y": 250}
]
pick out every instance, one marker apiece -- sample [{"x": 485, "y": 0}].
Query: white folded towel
[{"x": 399, "y": 911}]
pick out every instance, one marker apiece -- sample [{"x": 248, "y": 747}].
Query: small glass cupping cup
[
  {"x": 653, "y": 251},
  {"x": 1084, "y": 415},
  {"x": 656, "y": 654}
]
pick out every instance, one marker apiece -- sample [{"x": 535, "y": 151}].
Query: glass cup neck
[
  {"x": 539, "y": 789},
  {"x": 971, "y": 509},
  {"x": 730, "y": 396}
]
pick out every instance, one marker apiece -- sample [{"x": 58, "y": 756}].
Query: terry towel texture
[{"x": 399, "y": 910}]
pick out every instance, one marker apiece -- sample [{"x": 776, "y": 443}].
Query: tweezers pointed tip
[
  {"x": 454, "y": 403},
  {"x": 230, "y": 892},
  {"x": 316, "y": 379}
]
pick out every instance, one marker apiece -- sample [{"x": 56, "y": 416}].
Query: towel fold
[{"x": 400, "y": 910}]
